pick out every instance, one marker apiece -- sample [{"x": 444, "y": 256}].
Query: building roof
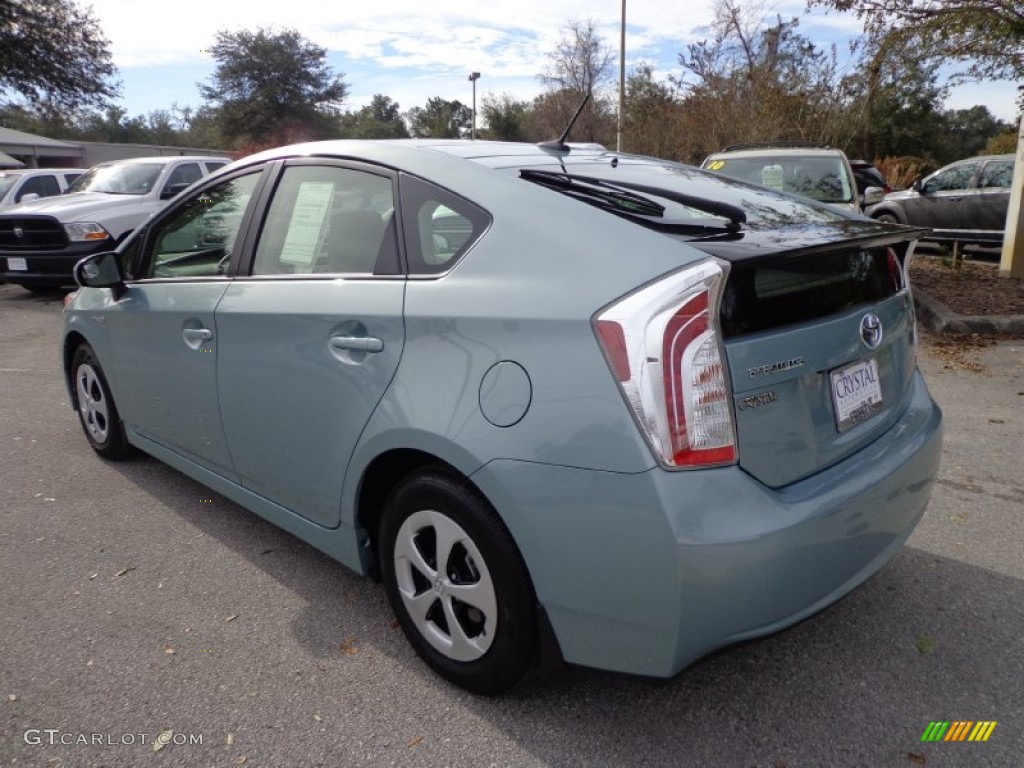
[{"x": 11, "y": 138}]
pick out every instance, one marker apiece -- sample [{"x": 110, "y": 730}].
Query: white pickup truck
[{"x": 41, "y": 241}]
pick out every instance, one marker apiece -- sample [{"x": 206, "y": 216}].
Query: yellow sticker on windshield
[{"x": 716, "y": 165}]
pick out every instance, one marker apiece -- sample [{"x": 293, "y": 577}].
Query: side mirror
[
  {"x": 873, "y": 195},
  {"x": 174, "y": 189},
  {"x": 101, "y": 270},
  {"x": 917, "y": 186},
  {"x": 28, "y": 197}
]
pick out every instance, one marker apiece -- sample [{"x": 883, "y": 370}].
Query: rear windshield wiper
[
  {"x": 600, "y": 194},
  {"x": 614, "y": 196}
]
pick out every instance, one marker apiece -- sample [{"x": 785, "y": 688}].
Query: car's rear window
[
  {"x": 822, "y": 178},
  {"x": 770, "y": 293}
]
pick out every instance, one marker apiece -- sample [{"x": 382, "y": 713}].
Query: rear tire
[
  {"x": 96, "y": 410},
  {"x": 887, "y": 218},
  {"x": 457, "y": 583}
]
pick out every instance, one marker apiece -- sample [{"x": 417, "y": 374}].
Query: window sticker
[
  {"x": 307, "y": 223},
  {"x": 716, "y": 165},
  {"x": 772, "y": 176}
]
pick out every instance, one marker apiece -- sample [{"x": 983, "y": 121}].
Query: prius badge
[{"x": 871, "y": 330}]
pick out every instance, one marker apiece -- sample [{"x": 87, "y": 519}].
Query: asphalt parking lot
[{"x": 133, "y": 601}]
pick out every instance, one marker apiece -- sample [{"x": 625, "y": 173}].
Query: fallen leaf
[
  {"x": 230, "y": 739},
  {"x": 162, "y": 739},
  {"x": 316, "y": 716},
  {"x": 93, "y": 576},
  {"x": 232, "y": 617},
  {"x": 240, "y": 760},
  {"x": 89, "y": 663},
  {"x": 123, "y": 571},
  {"x": 169, "y": 649},
  {"x": 348, "y": 646},
  {"x": 411, "y": 743},
  {"x": 925, "y": 644},
  {"x": 395, "y": 624},
  {"x": 914, "y": 757},
  {"x": 11, "y": 697}
]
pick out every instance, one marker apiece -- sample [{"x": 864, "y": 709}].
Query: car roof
[
  {"x": 161, "y": 160},
  {"x": 30, "y": 171}
]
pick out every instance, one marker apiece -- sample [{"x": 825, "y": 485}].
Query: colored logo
[{"x": 958, "y": 730}]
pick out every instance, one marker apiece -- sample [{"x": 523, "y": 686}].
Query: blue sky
[{"x": 394, "y": 47}]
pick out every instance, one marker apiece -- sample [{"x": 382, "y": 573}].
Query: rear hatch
[{"x": 820, "y": 342}]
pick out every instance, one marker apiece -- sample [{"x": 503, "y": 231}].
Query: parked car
[
  {"x": 25, "y": 186},
  {"x": 567, "y": 403},
  {"x": 40, "y": 241},
  {"x": 965, "y": 201},
  {"x": 871, "y": 184},
  {"x": 818, "y": 172}
]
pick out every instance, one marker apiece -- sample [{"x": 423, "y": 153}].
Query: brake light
[{"x": 663, "y": 345}]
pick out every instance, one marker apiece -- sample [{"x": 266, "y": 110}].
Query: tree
[
  {"x": 755, "y": 82},
  {"x": 580, "y": 64},
  {"x": 440, "y": 119},
  {"x": 380, "y": 119},
  {"x": 54, "y": 51},
  {"x": 507, "y": 118},
  {"x": 985, "y": 34},
  {"x": 652, "y": 115},
  {"x": 273, "y": 86}
]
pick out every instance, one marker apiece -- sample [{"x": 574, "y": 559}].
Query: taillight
[{"x": 664, "y": 346}]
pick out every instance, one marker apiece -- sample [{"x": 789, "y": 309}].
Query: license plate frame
[{"x": 856, "y": 393}]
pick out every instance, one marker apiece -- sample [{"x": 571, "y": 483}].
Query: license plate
[
  {"x": 17, "y": 264},
  {"x": 856, "y": 393}
]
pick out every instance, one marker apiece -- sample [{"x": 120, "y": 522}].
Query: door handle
[
  {"x": 196, "y": 336},
  {"x": 359, "y": 343}
]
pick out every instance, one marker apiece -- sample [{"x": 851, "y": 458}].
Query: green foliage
[
  {"x": 506, "y": 118},
  {"x": 380, "y": 119},
  {"x": 653, "y": 116},
  {"x": 54, "y": 52},
  {"x": 985, "y": 35},
  {"x": 440, "y": 119},
  {"x": 269, "y": 87}
]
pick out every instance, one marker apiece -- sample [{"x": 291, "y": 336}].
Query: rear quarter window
[{"x": 440, "y": 227}]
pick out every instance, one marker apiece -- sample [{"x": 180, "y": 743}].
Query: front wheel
[
  {"x": 887, "y": 218},
  {"x": 96, "y": 410},
  {"x": 457, "y": 583}
]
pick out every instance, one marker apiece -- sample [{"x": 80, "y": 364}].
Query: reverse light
[
  {"x": 664, "y": 347},
  {"x": 85, "y": 231}
]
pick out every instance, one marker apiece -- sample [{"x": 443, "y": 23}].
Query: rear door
[
  {"x": 312, "y": 334},
  {"x": 940, "y": 202}
]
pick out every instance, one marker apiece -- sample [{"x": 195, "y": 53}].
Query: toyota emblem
[{"x": 871, "y": 330}]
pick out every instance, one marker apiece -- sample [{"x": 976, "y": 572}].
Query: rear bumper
[
  {"x": 646, "y": 573},
  {"x": 48, "y": 268}
]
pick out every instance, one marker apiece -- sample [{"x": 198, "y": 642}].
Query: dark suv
[{"x": 965, "y": 201}]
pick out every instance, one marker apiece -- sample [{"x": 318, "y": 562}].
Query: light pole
[
  {"x": 473, "y": 77},
  {"x": 622, "y": 79}
]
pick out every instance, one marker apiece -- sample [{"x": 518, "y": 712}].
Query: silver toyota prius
[{"x": 566, "y": 403}]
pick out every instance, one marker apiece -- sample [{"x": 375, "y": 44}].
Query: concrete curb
[{"x": 937, "y": 317}]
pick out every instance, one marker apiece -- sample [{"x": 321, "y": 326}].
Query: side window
[
  {"x": 439, "y": 227},
  {"x": 212, "y": 166},
  {"x": 69, "y": 178},
  {"x": 183, "y": 175},
  {"x": 44, "y": 186},
  {"x": 957, "y": 177},
  {"x": 998, "y": 173},
  {"x": 325, "y": 219},
  {"x": 197, "y": 238}
]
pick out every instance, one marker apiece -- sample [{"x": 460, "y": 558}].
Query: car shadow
[{"x": 928, "y": 638}]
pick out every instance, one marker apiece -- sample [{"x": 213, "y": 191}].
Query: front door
[{"x": 163, "y": 330}]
